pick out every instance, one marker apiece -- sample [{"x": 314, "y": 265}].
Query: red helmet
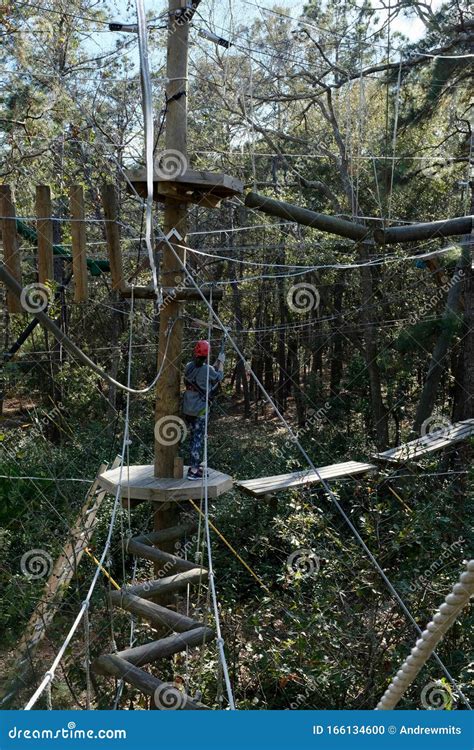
[{"x": 202, "y": 349}]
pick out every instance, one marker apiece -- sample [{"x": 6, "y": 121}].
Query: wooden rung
[
  {"x": 78, "y": 239},
  {"x": 111, "y": 664},
  {"x": 171, "y": 563},
  {"x": 154, "y": 613},
  {"x": 165, "y": 647},
  {"x": 112, "y": 231},
  {"x": 167, "y": 535},
  {"x": 167, "y": 585},
  {"x": 44, "y": 232},
  {"x": 11, "y": 250}
]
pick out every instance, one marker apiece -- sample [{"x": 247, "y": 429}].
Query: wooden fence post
[
  {"x": 79, "y": 250},
  {"x": 44, "y": 230},
  {"x": 11, "y": 250},
  {"x": 109, "y": 203}
]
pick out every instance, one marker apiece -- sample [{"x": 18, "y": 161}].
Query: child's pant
[{"x": 197, "y": 428}]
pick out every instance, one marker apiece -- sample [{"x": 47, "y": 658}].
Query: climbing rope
[
  {"x": 147, "y": 106},
  {"x": 212, "y": 585},
  {"x": 49, "y": 675},
  {"x": 430, "y": 637},
  {"x": 77, "y": 353}
]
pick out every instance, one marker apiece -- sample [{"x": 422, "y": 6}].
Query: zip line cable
[{"x": 324, "y": 483}]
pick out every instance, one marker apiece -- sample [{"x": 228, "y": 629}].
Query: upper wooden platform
[
  {"x": 193, "y": 186},
  {"x": 269, "y": 485},
  {"x": 139, "y": 483},
  {"x": 434, "y": 441}
]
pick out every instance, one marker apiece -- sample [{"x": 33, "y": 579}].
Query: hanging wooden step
[
  {"x": 167, "y": 535},
  {"x": 169, "y": 584},
  {"x": 165, "y": 647},
  {"x": 267, "y": 485},
  {"x": 434, "y": 441},
  {"x": 173, "y": 564},
  {"x": 162, "y": 693},
  {"x": 154, "y": 613}
]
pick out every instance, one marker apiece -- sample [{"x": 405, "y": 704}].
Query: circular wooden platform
[{"x": 140, "y": 483}]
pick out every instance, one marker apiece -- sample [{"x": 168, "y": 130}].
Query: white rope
[
  {"x": 294, "y": 439},
  {"x": 394, "y": 139},
  {"x": 49, "y": 676},
  {"x": 87, "y": 657},
  {"x": 147, "y": 105},
  {"x": 212, "y": 585},
  {"x": 430, "y": 637}
]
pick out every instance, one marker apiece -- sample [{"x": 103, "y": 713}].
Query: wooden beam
[
  {"x": 79, "y": 249},
  {"x": 11, "y": 251},
  {"x": 169, "y": 584},
  {"x": 114, "y": 665},
  {"x": 170, "y": 562},
  {"x": 167, "y": 535},
  {"x": 290, "y": 212},
  {"x": 154, "y": 613},
  {"x": 427, "y": 231},
  {"x": 112, "y": 232},
  {"x": 165, "y": 647},
  {"x": 64, "y": 569},
  {"x": 44, "y": 231}
]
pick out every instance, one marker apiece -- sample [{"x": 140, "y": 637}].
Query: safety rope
[
  {"x": 430, "y": 637},
  {"x": 212, "y": 585},
  {"x": 49, "y": 675},
  {"x": 147, "y": 106},
  {"x": 87, "y": 657},
  {"x": 77, "y": 353}
]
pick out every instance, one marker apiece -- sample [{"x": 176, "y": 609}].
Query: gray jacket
[{"x": 195, "y": 380}]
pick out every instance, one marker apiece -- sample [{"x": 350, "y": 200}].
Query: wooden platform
[
  {"x": 269, "y": 485},
  {"x": 139, "y": 483},
  {"x": 428, "y": 443},
  {"x": 205, "y": 188}
]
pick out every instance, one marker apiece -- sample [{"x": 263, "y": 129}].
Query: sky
[{"x": 243, "y": 12}]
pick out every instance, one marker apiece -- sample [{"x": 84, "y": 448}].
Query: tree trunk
[
  {"x": 380, "y": 414},
  {"x": 439, "y": 357}
]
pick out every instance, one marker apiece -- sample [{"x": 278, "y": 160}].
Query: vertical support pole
[
  {"x": 175, "y": 217},
  {"x": 110, "y": 205},
  {"x": 11, "y": 251},
  {"x": 44, "y": 230},
  {"x": 78, "y": 235}
]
